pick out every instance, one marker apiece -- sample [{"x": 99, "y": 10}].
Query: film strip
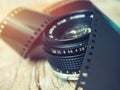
[
  {"x": 100, "y": 70},
  {"x": 21, "y": 29}
]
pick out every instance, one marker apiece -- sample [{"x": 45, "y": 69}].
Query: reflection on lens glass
[{"x": 76, "y": 32}]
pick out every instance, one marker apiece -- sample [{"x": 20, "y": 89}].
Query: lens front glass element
[
  {"x": 76, "y": 32},
  {"x": 71, "y": 27}
]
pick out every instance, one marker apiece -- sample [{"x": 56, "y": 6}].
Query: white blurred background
[
  {"x": 8, "y": 5},
  {"x": 110, "y": 7}
]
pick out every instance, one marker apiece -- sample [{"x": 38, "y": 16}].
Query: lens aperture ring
[{"x": 68, "y": 50}]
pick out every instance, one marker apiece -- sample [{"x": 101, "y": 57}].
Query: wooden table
[{"x": 17, "y": 73}]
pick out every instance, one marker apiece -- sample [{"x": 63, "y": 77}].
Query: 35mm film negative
[
  {"x": 100, "y": 69},
  {"x": 21, "y": 28}
]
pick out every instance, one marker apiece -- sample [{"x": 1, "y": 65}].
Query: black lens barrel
[{"x": 66, "y": 55}]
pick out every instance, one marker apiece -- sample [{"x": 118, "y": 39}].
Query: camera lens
[{"x": 65, "y": 42}]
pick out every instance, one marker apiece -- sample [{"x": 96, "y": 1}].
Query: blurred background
[
  {"x": 109, "y": 7},
  {"x": 7, "y": 5}
]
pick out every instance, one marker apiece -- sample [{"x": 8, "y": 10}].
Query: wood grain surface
[{"x": 17, "y": 73}]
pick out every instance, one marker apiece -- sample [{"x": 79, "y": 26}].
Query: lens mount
[{"x": 65, "y": 42}]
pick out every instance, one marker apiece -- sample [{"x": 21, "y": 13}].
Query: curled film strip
[{"x": 20, "y": 30}]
